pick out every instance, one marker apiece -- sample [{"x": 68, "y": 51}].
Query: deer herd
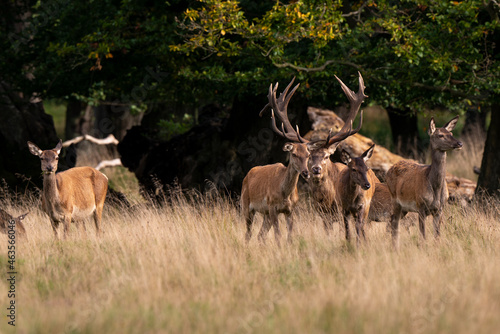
[
  {"x": 349, "y": 188},
  {"x": 336, "y": 189}
]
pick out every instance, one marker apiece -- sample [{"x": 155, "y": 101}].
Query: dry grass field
[{"x": 184, "y": 267}]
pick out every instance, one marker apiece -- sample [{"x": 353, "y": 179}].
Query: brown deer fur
[
  {"x": 73, "y": 194},
  {"x": 355, "y": 189},
  {"x": 422, "y": 188},
  {"x": 323, "y": 184},
  {"x": 272, "y": 189},
  {"x": 6, "y": 218}
]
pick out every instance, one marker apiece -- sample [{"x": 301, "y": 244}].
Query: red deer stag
[
  {"x": 73, "y": 194},
  {"x": 325, "y": 173},
  {"x": 5, "y": 220},
  {"x": 272, "y": 189},
  {"x": 356, "y": 186},
  {"x": 422, "y": 188}
]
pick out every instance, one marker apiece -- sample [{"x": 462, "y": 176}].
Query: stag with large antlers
[
  {"x": 422, "y": 188},
  {"x": 324, "y": 181},
  {"x": 272, "y": 189}
]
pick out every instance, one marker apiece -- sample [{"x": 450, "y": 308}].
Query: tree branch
[
  {"x": 108, "y": 140},
  {"x": 320, "y": 68}
]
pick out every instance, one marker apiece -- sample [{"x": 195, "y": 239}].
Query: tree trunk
[
  {"x": 405, "y": 136},
  {"x": 22, "y": 120},
  {"x": 475, "y": 123},
  {"x": 489, "y": 178},
  {"x": 78, "y": 119}
]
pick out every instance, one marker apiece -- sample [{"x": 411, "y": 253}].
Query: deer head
[
  {"x": 357, "y": 167},
  {"x": 6, "y": 218},
  {"x": 442, "y": 139},
  {"x": 49, "y": 158}
]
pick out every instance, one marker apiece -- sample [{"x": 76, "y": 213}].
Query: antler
[
  {"x": 355, "y": 100},
  {"x": 280, "y": 106}
]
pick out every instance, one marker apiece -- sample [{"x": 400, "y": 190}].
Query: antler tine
[
  {"x": 269, "y": 98},
  {"x": 299, "y": 137},
  {"x": 355, "y": 100},
  {"x": 279, "y": 106},
  {"x": 345, "y": 132},
  {"x": 281, "y": 132}
]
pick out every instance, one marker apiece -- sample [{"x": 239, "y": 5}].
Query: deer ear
[
  {"x": 34, "y": 149},
  {"x": 58, "y": 147},
  {"x": 346, "y": 157},
  {"x": 451, "y": 124},
  {"x": 330, "y": 150},
  {"x": 368, "y": 153},
  {"x": 288, "y": 147},
  {"x": 432, "y": 127}
]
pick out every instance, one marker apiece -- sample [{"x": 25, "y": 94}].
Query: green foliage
[
  {"x": 172, "y": 127},
  {"x": 411, "y": 53}
]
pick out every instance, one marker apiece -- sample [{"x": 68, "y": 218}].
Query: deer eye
[
  {"x": 441, "y": 136},
  {"x": 57, "y": 158}
]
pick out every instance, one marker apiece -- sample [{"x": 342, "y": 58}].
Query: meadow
[{"x": 183, "y": 266}]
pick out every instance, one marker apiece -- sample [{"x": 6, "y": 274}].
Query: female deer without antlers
[
  {"x": 356, "y": 189},
  {"x": 422, "y": 188},
  {"x": 73, "y": 194},
  {"x": 6, "y": 218},
  {"x": 272, "y": 189}
]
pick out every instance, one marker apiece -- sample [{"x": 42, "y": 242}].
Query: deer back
[
  {"x": 409, "y": 185},
  {"x": 80, "y": 189}
]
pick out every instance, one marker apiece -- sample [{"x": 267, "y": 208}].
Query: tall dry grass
[{"x": 184, "y": 267}]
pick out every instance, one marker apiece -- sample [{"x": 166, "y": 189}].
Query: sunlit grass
[{"x": 184, "y": 267}]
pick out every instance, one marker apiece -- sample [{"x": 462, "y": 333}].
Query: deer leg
[
  {"x": 83, "y": 228},
  {"x": 266, "y": 226},
  {"x": 289, "y": 226},
  {"x": 67, "y": 223},
  {"x": 249, "y": 219},
  {"x": 396, "y": 216},
  {"x": 97, "y": 220},
  {"x": 437, "y": 219},
  {"x": 54, "y": 225},
  {"x": 421, "y": 221},
  {"x": 277, "y": 232},
  {"x": 346, "y": 224},
  {"x": 360, "y": 230}
]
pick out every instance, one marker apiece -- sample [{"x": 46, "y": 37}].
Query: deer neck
[
  {"x": 50, "y": 190},
  {"x": 353, "y": 189},
  {"x": 290, "y": 181},
  {"x": 437, "y": 172}
]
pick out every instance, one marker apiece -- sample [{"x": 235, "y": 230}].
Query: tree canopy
[{"x": 412, "y": 53}]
